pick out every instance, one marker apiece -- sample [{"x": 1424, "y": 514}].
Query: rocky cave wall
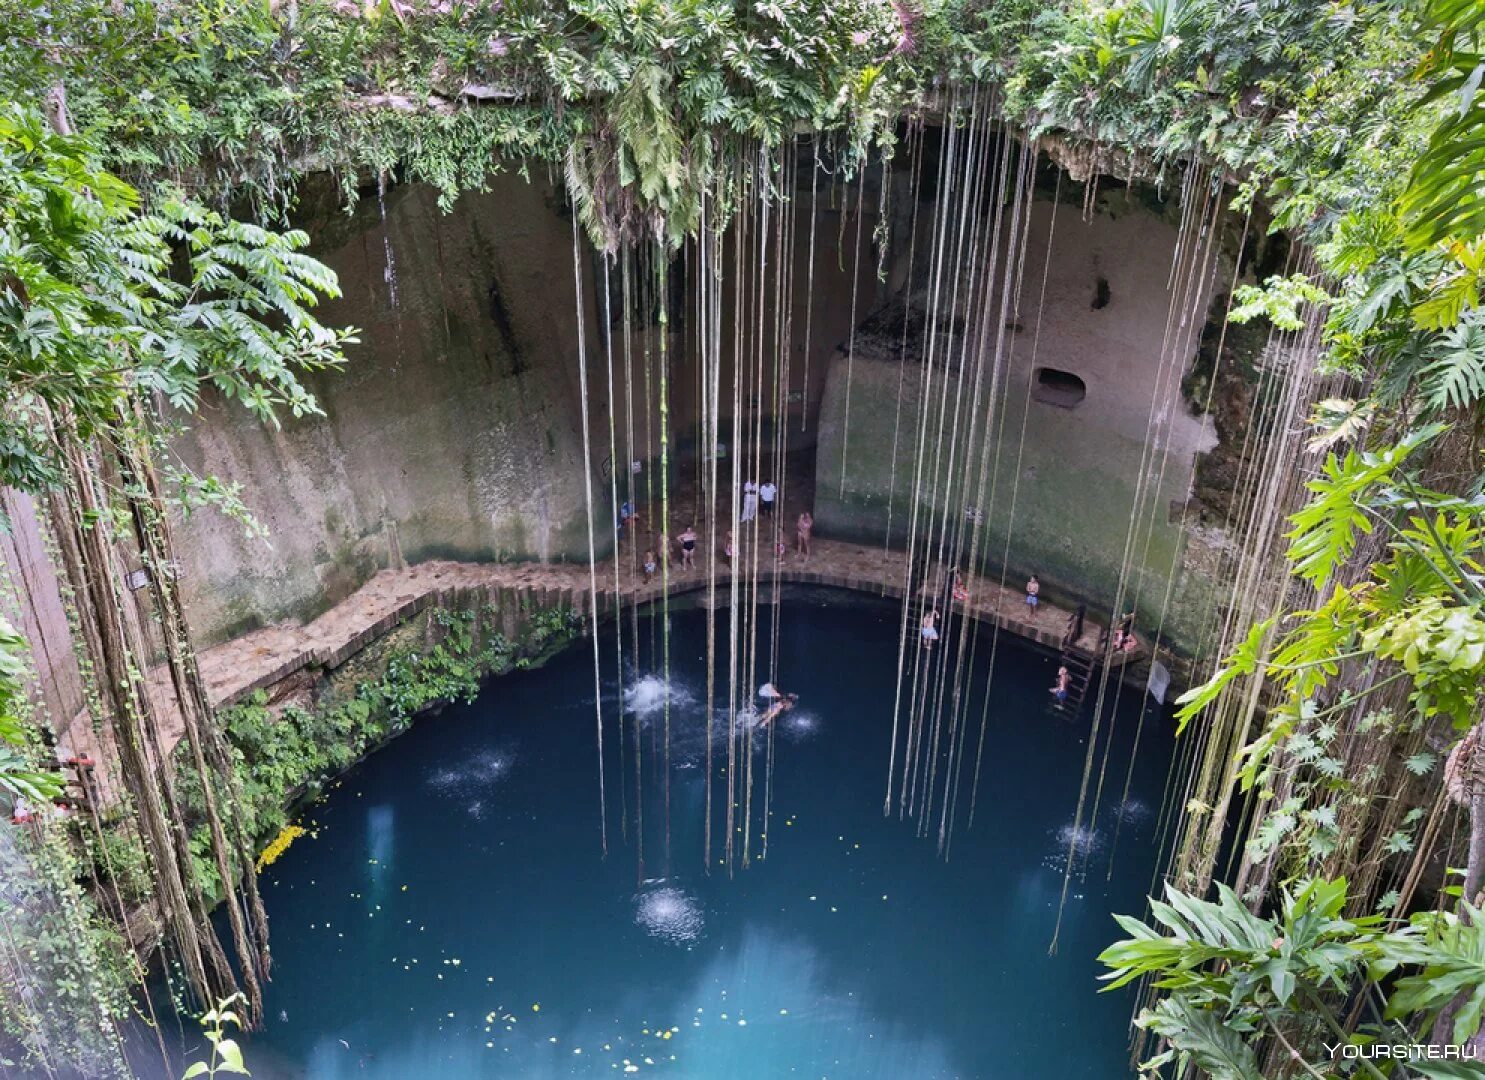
[
  {"x": 1064, "y": 492},
  {"x": 454, "y": 430}
]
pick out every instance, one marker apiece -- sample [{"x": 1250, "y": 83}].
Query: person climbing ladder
[{"x": 1064, "y": 680}]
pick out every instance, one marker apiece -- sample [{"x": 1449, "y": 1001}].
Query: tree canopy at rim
[
  {"x": 243, "y": 98},
  {"x": 1357, "y": 123}
]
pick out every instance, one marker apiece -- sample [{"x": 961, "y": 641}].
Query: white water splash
[
  {"x": 1133, "y": 812},
  {"x": 646, "y": 697},
  {"x": 670, "y": 914}
]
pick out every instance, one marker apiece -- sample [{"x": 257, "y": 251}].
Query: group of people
[
  {"x": 758, "y": 498},
  {"x": 1122, "y": 637},
  {"x": 685, "y": 544},
  {"x": 804, "y": 527}
]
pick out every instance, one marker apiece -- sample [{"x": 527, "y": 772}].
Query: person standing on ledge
[
  {"x": 1033, "y": 593},
  {"x": 688, "y": 547},
  {"x": 803, "y": 527},
  {"x": 750, "y": 502},
  {"x": 766, "y": 495}
]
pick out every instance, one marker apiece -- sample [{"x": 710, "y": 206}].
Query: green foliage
[
  {"x": 1231, "y": 978},
  {"x": 1327, "y": 528},
  {"x": 1449, "y": 951},
  {"x": 70, "y": 980},
  {"x": 1279, "y": 300},
  {"x": 1420, "y": 606},
  {"x": 1455, "y": 375},
  {"x": 285, "y": 757},
  {"x": 102, "y": 298},
  {"x": 243, "y": 97},
  {"x": 1443, "y": 200},
  {"x": 226, "y": 1055},
  {"x": 19, "y": 776}
]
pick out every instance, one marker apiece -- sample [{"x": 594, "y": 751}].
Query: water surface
[{"x": 453, "y": 916}]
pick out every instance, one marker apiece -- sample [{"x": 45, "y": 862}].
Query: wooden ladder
[{"x": 1080, "y": 667}]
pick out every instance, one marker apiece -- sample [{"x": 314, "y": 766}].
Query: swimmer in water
[{"x": 781, "y": 704}]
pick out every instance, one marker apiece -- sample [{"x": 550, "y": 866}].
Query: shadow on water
[{"x": 451, "y": 916}]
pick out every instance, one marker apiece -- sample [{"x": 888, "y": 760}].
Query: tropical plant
[
  {"x": 94, "y": 311},
  {"x": 18, "y": 775},
  {"x": 226, "y": 1055},
  {"x": 114, "y": 308},
  {"x": 1244, "y": 996},
  {"x": 1444, "y": 201}
]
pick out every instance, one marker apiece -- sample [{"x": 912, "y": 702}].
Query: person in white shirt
[
  {"x": 750, "y": 502},
  {"x": 767, "y": 493}
]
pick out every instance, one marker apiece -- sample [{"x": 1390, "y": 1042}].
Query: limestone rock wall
[
  {"x": 454, "y": 431},
  {"x": 1060, "y": 487}
]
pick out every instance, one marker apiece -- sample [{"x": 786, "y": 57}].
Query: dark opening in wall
[
  {"x": 1100, "y": 293},
  {"x": 1060, "y": 388}
]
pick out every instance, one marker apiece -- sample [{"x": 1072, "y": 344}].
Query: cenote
[
  {"x": 451, "y": 913},
  {"x": 837, "y": 539}
]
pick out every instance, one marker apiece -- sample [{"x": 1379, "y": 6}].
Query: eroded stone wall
[
  {"x": 1068, "y": 459},
  {"x": 454, "y": 431}
]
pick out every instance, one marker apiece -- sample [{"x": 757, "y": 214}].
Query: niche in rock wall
[
  {"x": 1056, "y": 387},
  {"x": 500, "y": 315},
  {"x": 1101, "y": 294}
]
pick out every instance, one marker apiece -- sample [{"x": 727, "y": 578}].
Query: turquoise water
[{"x": 453, "y": 916}]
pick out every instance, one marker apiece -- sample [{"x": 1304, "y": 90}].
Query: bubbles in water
[
  {"x": 669, "y": 914},
  {"x": 800, "y": 725},
  {"x": 1133, "y": 812},
  {"x": 472, "y": 775},
  {"x": 1080, "y": 841}
]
